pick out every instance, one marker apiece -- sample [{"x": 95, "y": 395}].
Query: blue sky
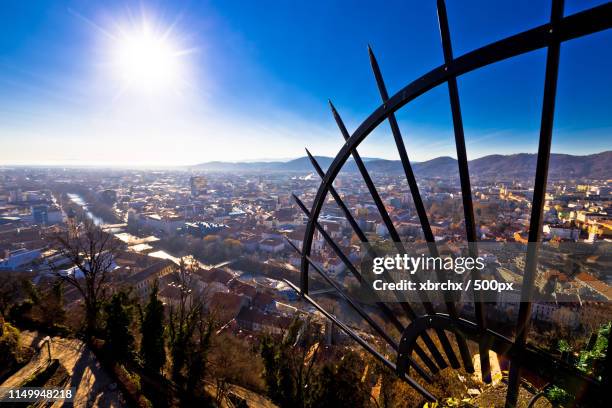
[{"x": 250, "y": 80}]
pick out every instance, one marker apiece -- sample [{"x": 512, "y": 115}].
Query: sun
[{"x": 146, "y": 60}]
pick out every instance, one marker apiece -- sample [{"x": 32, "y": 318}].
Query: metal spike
[
  {"x": 448, "y": 350},
  {"x": 420, "y": 207},
  {"x": 430, "y": 344},
  {"x": 539, "y": 198},
  {"x": 362, "y": 237},
  {"x": 363, "y": 343},
  {"x": 363, "y": 314},
  {"x": 466, "y": 189}
]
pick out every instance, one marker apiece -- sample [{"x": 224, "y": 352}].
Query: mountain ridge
[{"x": 595, "y": 166}]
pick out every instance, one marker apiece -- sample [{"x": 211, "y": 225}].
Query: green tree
[
  {"x": 43, "y": 305},
  {"x": 289, "y": 363},
  {"x": 52, "y": 304},
  {"x": 9, "y": 345},
  {"x": 152, "y": 345},
  {"x": 9, "y": 292},
  {"x": 119, "y": 315},
  {"x": 190, "y": 331},
  {"x": 21, "y": 312},
  {"x": 280, "y": 384},
  {"x": 563, "y": 346},
  {"x": 338, "y": 384},
  {"x": 589, "y": 361},
  {"x": 183, "y": 314},
  {"x": 197, "y": 357}
]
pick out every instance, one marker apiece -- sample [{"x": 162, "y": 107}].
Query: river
[
  {"x": 118, "y": 232},
  {"x": 77, "y": 199}
]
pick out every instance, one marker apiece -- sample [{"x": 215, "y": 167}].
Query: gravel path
[{"x": 94, "y": 387}]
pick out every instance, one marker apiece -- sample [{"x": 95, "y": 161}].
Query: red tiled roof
[
  {"x": 226, "y": 304},
  {"x": 597, "y": 285},
  {"x": 242, "y": 288},
  {"x": 215, "y": 275}
]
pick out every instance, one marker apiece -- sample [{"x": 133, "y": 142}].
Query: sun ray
[
  {"x": 147, "y": 58},
  {"x": 92, "y": 24}
]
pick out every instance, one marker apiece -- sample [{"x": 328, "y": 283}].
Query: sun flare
[{"x": 148, "y": 61}]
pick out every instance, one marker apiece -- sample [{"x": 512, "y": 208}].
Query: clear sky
[{"x": 182, "y": 82}]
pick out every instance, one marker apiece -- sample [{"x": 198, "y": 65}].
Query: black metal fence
[{"x": 550, "y": 36}]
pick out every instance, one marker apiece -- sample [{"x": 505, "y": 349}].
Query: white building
[{"x": 19, "y": 259}]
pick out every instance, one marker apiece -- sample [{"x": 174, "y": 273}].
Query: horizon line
[{"x": 145, "y": 166}]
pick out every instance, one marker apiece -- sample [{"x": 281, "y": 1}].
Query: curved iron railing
[{"x": 549, "y": 36}]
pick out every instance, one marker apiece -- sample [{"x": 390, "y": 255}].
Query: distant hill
[{"x": 595, "y": 166}]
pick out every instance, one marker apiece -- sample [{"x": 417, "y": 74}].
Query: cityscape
[
  {"x": 233, "y": 227},
  {"x": 166, "y": 241}
]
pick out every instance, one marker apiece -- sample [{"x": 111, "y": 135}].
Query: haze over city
[{"x": 184, "y": 83}]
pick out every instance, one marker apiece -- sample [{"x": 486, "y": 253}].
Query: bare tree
[
  {"x": 232, "y": 361},
  {"x": 91, "y": 250}
]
